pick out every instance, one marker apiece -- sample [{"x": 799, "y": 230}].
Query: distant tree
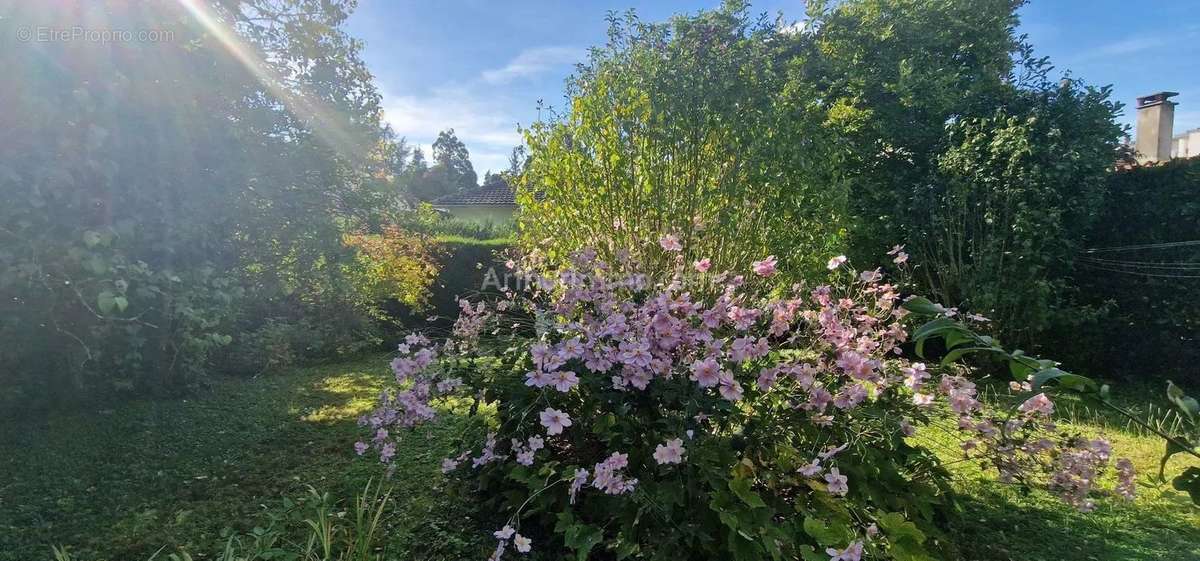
[
  {"x": 451, "y": 171},
  {"x": 451, "y": 155},
  {"x": 517, "y": 161},
  {"x": 490, "y": 178},
  {"x": 396, "y": 154},
  {"x": 417, "y": 163}
]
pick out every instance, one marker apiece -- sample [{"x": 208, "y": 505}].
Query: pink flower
[
  {"x": 900, "y": 258},
  {"x": 1126, "y": 479},
  {"x": 766, "y": 378},
  {"x": 504, "y": 533},
  {"x": 706, "y": 372},
  {"x": 554, "y": 420},
  {"x": 766, "y": 267},
  {"x": 915, "y": 375},
  {"x": 870, "y": 276},
  {"x": 525, "y": 458},
  {"x": 523, "y": 543},
  {"x": 1038, "y": 404},
  {"x": 564, "y": 380},
  {"x": 837, "y": 482},
  {"x": 537, "y": 378},
  {"x": 810, "y": 469},
  {"x": 836, "y": 262},
  {"x": 449, "y": 465},
  {"x": 580, "y": 479},
  {"x": 730, "y": 389},
  {"x": 360, "y": 448},
  {"x": 536, "y": 443},
  {"x": 852, "y": 553},
  {"x": 670, "y": 242},
  {"x": 669, "y": 453},
  {"x": 703, "y": 265}
]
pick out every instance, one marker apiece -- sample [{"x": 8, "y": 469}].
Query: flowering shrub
[{"x": 713, "y": 415}]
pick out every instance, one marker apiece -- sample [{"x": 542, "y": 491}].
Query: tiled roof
[{"x": 494, "y": 194}]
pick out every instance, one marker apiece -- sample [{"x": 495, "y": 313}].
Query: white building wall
[{"x": 1186, "y": 145}]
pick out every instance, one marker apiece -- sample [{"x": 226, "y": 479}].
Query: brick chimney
[{"x": 1155, "y": 125}]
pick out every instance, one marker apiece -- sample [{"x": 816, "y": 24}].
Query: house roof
[{"x": 497, "y": 194}]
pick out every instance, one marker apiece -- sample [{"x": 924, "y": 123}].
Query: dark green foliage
[
  {"x": 160, "y": 198},
  {"x": 1153, "y": 327},
  {"x": 465, "y": 266},
  {"x": 998, "y": 227},
  {"x": 959, "y": 145}
]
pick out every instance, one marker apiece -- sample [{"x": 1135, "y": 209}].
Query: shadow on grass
[{"x": 120, "y": 484}]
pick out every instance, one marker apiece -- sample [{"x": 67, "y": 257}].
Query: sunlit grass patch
[
  {"x": 1000, "y": 521},
  {"x": 359, "y": 390}
]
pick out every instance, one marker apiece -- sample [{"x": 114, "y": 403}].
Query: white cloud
[
  {"x": 1130, "y": 46},
  {"x": 531, "y": 62},
  {"x": 484, "y": 124},
  {"x": 482, "y": 111},
  {"x": 1124, "y": 47},
  {"x": 795, "y": 28}
]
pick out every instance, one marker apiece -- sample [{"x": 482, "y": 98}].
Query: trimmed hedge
[
  {"x": 463, "y": 264},
  {"x": 1153, "y": 325}
]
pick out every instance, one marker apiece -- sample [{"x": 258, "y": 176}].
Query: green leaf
[
  {"x": 1189, "y": 481},
  {"x": 1186, "y": 404},
  {"x": 835, "y": 534},
  {"x": 121, "y": 303},
  {"x": 1064, "y": 380},
  {"x": 741, "y": 487},
  {"x": 1019, "y": 369},
  {"x": 963, "y": 351},
  {"x": 91, "y": 238},
  {"x": 936, "y": 327},
  {"x": 922, "y": 305},
  {"x": 956, "y": 337},
  {"x": 897, "y": 528},
  {"x": 106, "y": 301},
  {"x": 582, "y": 538}
]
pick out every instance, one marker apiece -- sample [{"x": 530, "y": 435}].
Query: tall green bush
[
  {"x": 162, "y": 197},
  {"x": 692, "y": 129},
  {"x": 957, "y": 143},
  {"x": 1010, "y": 204}
]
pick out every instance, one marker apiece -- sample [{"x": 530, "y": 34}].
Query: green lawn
[
  {"x": 1002, "y": 522},
  {"x": 119, "y": 485}
]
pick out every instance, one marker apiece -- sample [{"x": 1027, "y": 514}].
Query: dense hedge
[
  {"x": 462, "y": 265},
  {"x": 1153, "y": 324}
]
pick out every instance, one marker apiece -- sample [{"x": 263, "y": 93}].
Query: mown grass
[{"x": 119, "y": 485}]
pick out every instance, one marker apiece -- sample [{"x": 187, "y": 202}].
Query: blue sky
[{"x": 480, "y": 66}]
